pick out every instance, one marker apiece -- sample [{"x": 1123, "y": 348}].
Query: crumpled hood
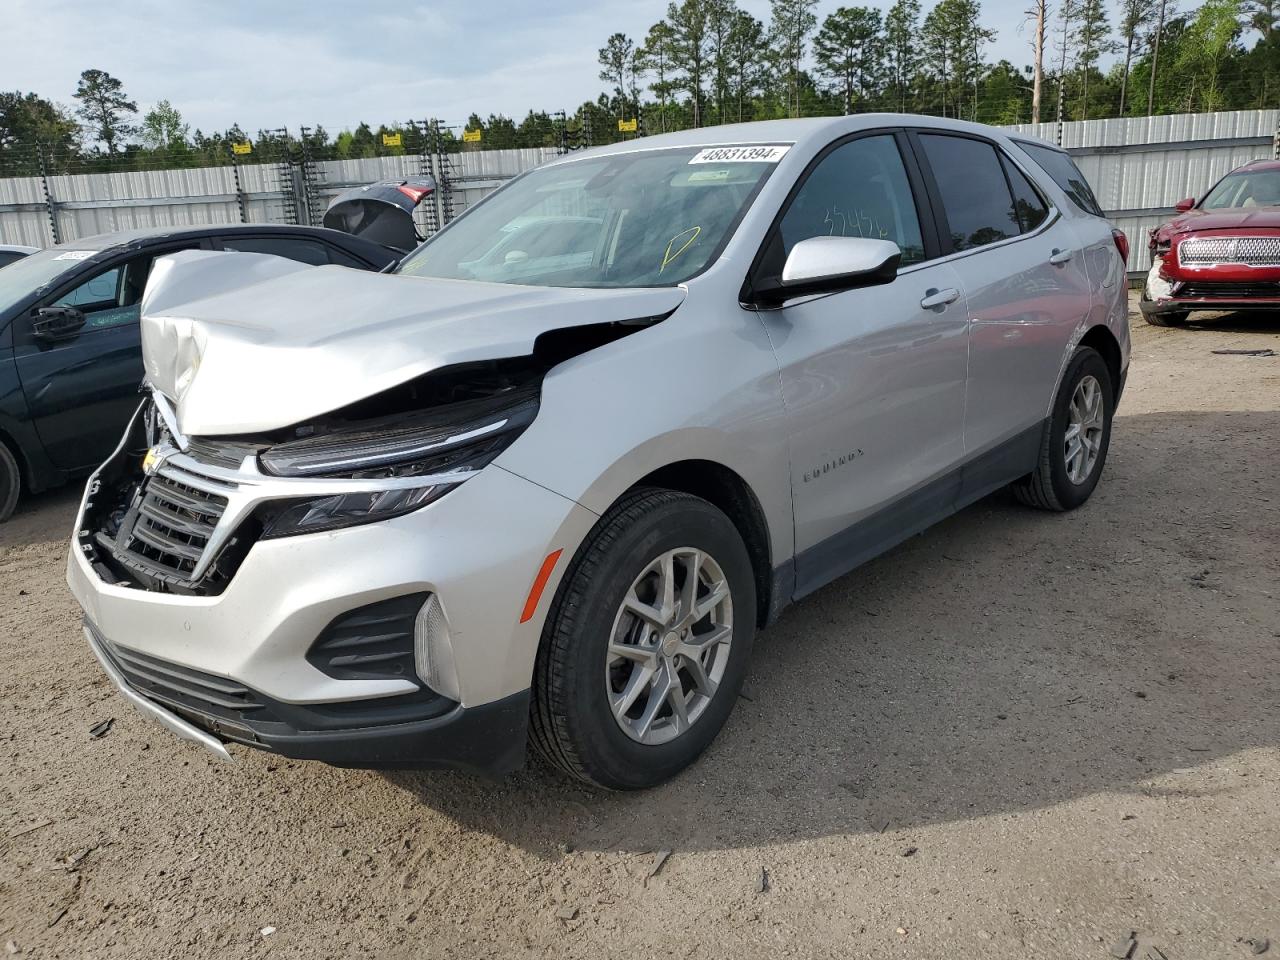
[{"x": 246, "y": 342}]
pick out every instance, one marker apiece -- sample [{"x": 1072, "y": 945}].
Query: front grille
[
  {"x": 1249, "y": 251},
  {"x": 181, "y": 687},
  {"x": 171, "y": 528},
  {"x": 232, "y": 711},
  {"x": 1229, "y": 291}
]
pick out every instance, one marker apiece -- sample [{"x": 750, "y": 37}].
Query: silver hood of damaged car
[{"x": 245, "y": 342}]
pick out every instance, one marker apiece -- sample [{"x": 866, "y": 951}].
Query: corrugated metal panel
[
  {"x": 1172, "y": 128},
  {"x": 23, "y": 217}
]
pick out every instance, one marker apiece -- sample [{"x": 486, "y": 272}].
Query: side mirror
[
  {"x": 1182, "y": 206},
  {"x": 57, "y": 323},
  {"x": 831, "y": 264}
]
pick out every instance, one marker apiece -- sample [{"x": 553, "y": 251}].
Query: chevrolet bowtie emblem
[{"x": 151, "y": 462}]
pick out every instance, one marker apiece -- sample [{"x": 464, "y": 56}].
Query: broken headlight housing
[{"x": 441, "y": 449}]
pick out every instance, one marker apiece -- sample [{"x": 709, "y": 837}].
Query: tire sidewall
[
  {"x": 1085, "y": 362},
  {"x": 621, "y": 761},
  {"x": 10, "y": 482}
]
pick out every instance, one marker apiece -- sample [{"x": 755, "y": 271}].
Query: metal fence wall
[
  {"x": 82, "y": 205},
  {"x": 1139, "y": 167}
]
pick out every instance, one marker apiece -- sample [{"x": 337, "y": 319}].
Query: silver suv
[{"x": 546, "y": 479}]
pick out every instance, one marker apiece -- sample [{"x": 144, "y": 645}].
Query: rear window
[{"x": 1065, "y": 174}]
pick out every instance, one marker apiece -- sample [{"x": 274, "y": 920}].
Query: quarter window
[
  {"x": 1065, "y": 174},
  {"x": 859, "y": 189}
]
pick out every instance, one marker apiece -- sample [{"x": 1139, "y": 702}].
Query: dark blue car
[{"x": 70, "y": 352}]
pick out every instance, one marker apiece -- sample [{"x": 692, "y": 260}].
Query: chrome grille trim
[{"x": 1239, "y": 251}]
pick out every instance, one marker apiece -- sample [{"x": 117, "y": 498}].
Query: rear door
[
  {"x": 81, "y": 390},
  {"x": 1023, "y": 269},
  {"x": 873, "y": 378}
]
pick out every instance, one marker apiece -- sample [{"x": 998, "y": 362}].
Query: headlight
[
  {"x": 441, "y": 449},
  {"x": 467, "y": 439},
  {"x": 347, "y": 509}
]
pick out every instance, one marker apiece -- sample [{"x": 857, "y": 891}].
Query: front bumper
[
  {"x": 487, "y": 739},
  {"x": 1187, "y": 304},
  {"x": 478, "y": 549}
]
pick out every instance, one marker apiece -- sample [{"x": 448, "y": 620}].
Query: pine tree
[
  {"x": 901, "y": 45},
  {"x": 847, "y": 50},
  {"x": 105, "y": 108},
  {"x": 792, "y": 25}
]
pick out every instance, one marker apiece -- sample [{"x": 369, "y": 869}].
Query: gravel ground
[{"x": 1018, "y": 734}]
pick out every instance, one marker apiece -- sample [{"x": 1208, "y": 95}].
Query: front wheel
[
  {"x": 646, "y": 643},
  {"x": 1168, "y": 318},
  {"x": 1074, "y": 446}
]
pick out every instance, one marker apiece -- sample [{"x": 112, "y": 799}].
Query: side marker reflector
[{"x": 539, "y": 584}]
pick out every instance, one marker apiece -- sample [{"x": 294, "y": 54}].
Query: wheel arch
[
  {"x": 1103, "y": 340},
  {"x": 726, "y": 490}
]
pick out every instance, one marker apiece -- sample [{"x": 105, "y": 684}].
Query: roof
[
  {"x": 105, "y": 241},
  {"x": 17, "y": 248},
  {"x": 798, "y": 131},
  {"x": 1262, "y": 164}
]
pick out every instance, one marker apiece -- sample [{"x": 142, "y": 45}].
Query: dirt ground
[{"x": 1017, "y": 735}]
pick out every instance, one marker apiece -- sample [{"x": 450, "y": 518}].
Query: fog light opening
[{"x": 433, "y": 649}]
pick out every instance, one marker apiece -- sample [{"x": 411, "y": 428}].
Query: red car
[{"x": 1222, "y": 253}]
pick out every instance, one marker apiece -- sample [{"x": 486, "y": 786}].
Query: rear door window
[
  {"x": 975, "y": 196},
  {"x": 1065, "y": 174},
  {"x": 1029, "y": 207}
]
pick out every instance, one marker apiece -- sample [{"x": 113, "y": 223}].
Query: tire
[
  {"x": 1051, "y": 485},
  {"x": 1166, "y": 319},
  {"x": 578, "y": 672},
  {"x": 10, "y": 482}
]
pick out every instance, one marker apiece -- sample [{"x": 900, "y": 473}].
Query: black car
[{"x": 70, "y": 348}]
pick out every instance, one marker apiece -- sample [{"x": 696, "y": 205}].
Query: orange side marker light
[{"x": 539, "y": 584}]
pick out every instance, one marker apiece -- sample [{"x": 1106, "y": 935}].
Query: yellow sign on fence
[
  {"x": 628, "y": 126},
  {"x": 470, "y": 136},
  {"x": 240, "y": 149},
  {"x": 391, "y": 139}
]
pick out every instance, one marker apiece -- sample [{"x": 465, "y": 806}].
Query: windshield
[
  {"x": 1254, "y": 188},
  {"x": 652, "y": 218},
  {"x": 24, "y": 277}
]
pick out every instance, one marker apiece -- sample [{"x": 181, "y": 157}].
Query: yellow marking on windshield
[{"x": 668, "y": 256}]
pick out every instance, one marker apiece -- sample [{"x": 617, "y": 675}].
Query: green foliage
[{"x": 162, "y": 128}]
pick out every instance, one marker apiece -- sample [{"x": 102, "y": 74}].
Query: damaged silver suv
[{"x": 545, "y": 480}]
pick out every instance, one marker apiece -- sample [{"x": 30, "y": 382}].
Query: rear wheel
[
  {"x": 1074, "y": 446},
  {"x": 10, "y": 482},
  {"x": 646, "y": 643}
]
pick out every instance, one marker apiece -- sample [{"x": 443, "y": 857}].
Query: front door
[{"x": 873, "y": 379}]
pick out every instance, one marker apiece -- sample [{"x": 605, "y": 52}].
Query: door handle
[
  {"x": 933, "y": 297},
  {"x": 1059, "y": 257}
]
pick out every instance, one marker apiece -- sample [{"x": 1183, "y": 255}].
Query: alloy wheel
[
  {"x": 1082, "y": 442},
  {"x": 669, "y": 645}
]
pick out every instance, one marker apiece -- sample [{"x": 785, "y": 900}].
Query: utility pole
[
  {"x": 1155, "y": 62},
  {"x": 1067, "y": 11},
  {"x": 1041, "y": 13}
]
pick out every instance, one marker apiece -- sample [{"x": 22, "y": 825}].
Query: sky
[{"x": 275, "y": 63}]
